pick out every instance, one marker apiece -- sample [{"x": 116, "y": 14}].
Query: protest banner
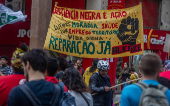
[{"x": 96, "y": 33}]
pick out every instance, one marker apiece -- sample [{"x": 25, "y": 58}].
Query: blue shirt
[{"x": 131, "y": 94}]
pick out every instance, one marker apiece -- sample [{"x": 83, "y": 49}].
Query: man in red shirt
[
  {"x": 17, "y": 78},
  {"x": 51, "y": 70}
]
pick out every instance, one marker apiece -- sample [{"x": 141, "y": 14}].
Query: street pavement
[{"x": 117, "y": 98}]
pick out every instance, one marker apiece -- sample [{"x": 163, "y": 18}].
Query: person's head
[
  {"x": 34, "y": 61},
  {"x": 94, "y": 65},
  {"x": 103, "y": 67},
  {"x": 74, "y": 81},
  {"x": 62, "y": 63},
  {"x": 75, "y": 65},
  {"x": 4, "y": 60},
  {"x": 150, "y": 65},
  {"x": 52, "y": 66},
  {"x": 16, "y": 58},
  {"x": 78, "y": 62},
  {"x": 131, "y": 71},
  {"x": 3, "y": 18},
  {"x": 126, "y": 65}
]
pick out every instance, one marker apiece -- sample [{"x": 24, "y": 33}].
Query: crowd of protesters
[{"x": 34, "y": 79}]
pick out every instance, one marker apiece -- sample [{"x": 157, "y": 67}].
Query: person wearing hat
[
  {"x": 4, "y": 65},
  {"x": 17, "y": 78},
  {"x": 100, "y": 85}
]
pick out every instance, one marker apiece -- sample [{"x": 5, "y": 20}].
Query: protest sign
[{"x": 96, "y": 33}]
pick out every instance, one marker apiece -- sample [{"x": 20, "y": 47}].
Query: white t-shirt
[{"x": 80, "y": 100}]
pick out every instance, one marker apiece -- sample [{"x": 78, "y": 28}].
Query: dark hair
[
  {"x": 5, "y": 57},
  {"x": 74, "y": 63},
  {"x": 94, "y": 66},
  {"x": 17, "y": 69},
  {"x": 131, "y": 70},
  {"x": 37, "y": 59},
  {"x": 150, "y": 64},
  {"x": 62, "y": 63},
  {"x": 126, "y": 69},
  {"x": 79, "y": 60},
  {"x": 52, "y": 66},
  {"x": 164, "y": 81},
  {"x": 127, "y": 64},
  {"x": 24, "y": 47},
  {"x": 74, "y": 81}
]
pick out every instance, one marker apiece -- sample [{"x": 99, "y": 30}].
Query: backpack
[
  {"x": 68, "y": 99},
  {"x": 152, "y": 95},
  {"x": 34, "y": 100}
]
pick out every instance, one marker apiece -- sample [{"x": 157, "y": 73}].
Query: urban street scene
[{"x": 84, "y": 53}]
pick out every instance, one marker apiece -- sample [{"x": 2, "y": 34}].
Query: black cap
[{"x": 5, "y": 57}]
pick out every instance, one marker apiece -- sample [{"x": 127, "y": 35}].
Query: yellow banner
[{"x": 96, "y": 33}]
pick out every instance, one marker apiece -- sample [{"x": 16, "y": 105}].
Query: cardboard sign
[{"x": 96, "y": 33}]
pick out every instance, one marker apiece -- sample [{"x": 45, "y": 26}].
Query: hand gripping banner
[{"x": 96, "y": 33}]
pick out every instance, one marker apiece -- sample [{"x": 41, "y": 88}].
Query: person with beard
[
  {"x": 80, "y": 68},
  {"x": 62, "y": 66},
  {"x": 100, "y": 83},
  {"x": 37, "y": 91},
  {"x": 125, "y": 74},
  {"x": 4, "y": 65},
  {"x": 51, "y": 70},
  {"x": 17, "y": 78}
]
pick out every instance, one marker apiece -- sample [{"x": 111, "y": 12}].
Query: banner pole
[{"x": 121, "y": 84}]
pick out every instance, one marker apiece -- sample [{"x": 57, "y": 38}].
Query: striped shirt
[{"x": 5, "y": 70}]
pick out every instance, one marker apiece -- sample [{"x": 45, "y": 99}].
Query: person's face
[
  {"x": 3, "y": 61},
  {"x": 3, "y": 19},
  {"x": 75, "y": 66},
  {"x": 125, "y": 65},
  {"x": 25, "y": 71},
  {"x": 103, "y": 73},
  {"x": 78, "y": 62}
]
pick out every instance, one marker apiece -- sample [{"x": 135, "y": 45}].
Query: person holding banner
[
  {"x": 100, "y": 83},
  {"x": 125, "y": 74}
]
